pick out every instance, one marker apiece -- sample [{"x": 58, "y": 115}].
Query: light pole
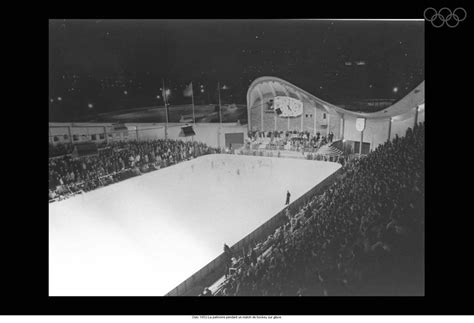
[{"x": 165, "y": 93}]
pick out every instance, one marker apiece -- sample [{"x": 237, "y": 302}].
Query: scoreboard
[{"x": 285, "y": 106}]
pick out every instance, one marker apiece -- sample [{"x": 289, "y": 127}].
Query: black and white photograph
[{"x": 236, "y": 157}]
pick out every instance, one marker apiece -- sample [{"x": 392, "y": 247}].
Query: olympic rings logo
[{"x": 445, "y": 16}]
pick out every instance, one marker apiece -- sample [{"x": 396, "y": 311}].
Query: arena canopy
[{"x": 305, "y": 112}]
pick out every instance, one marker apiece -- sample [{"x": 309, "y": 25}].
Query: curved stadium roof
[{"x": 268, "y": 86}]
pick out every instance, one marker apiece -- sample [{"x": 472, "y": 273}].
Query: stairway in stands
[{"x": 331, "y": 149}]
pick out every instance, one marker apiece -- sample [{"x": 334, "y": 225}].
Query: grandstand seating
[
  {"x": 71, "y": 174},
  {"x": 329, "y": 150},
  {"x": 363, "y": 236}
]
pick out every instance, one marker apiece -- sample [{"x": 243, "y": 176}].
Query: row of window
[
  {"x": 310, "y": 115},
  {"x": 93, "y": 137}
]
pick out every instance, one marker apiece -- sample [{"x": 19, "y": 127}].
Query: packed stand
[
  {"x": 302, "y": 141},
  {"x": 60, "y": 149},
  {"x": 363, "y": 236},
  {"x": 116, "y": 162}
]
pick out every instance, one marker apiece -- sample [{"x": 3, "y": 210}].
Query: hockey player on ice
[{"x": 287, "y": 197}]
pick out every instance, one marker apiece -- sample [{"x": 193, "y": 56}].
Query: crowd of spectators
[
  {"x": 337, "y": 159},
  {"x": 363, "y": 236},
  {"x": 292, "y": 140},
  {"x": 117, "y": 161},
  {"x": 60, "y": 149}
]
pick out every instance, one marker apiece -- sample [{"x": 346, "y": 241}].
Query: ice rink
[{"x": 145, "y": 235}]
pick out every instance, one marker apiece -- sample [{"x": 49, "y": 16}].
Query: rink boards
[{"x": 146, "y": 235}]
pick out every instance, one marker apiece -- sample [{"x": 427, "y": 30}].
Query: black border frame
[{"x": 446, "y": 62}]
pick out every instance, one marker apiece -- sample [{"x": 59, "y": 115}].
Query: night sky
[{"x": 104, "y": 65}]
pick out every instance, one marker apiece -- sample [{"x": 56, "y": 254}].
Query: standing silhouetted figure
[
  {"x": 228, "y": 252},
  {"x": 228, "y": 258},
  {"x": 287, "y": 197}
]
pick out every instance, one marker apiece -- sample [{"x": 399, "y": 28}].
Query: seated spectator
[
  {"x": 131, "y": 158},
  {"x": 207, "y": 292},
  {"x": 352, "y": 238}
]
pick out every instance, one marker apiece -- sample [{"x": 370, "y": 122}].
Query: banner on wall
[
  {"x": 119, "y": 127},
  {"x": 187, "y": 131},
  {"x": 360, "y": 124}
]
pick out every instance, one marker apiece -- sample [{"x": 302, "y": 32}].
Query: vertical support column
[
  {"x": 389, "y": 128},
  {"x": 288, "y": 118},
  {"x": 302, "y": 120},
  {"x": 361, "y": 141},
  {"x": 303, "y": 110},
  {"x": 249, "y": 106},
  {"x": 136, "y": 129},
  {"x": 261, "y": 107},
  {"x": 221, "y": 139},
  {"x": 270, "y": 84},
  {"x": 220, "y": 105},
  {"x": 50, "y": 137},
  {"x": 288, "y": 95},
  {"x": 70, "y": 133},
  {"x": 343, "y": 121},
  {"x": 416, "y": 115},
  {"x": 329, "y": 123},
  {"x": 314, "y": 122},
  {"x": 106, "y": 135}
]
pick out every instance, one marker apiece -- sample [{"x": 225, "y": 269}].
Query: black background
[{"x": 449, "y": 234}]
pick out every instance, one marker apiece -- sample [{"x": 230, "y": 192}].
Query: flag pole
[
  {"x": 166, "y": 109},
  {"x": 220, "y": 109},
  {"x": 192, "y": 99}
]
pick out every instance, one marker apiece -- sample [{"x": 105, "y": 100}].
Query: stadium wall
[
  {"x": 215, "y": 269},
  {"x": 210, "y": 133},
  {"x": 313, "y": 119},
  {"x": 375, "y": 133},
  {"x": 380, "y": 126},
  {"x": 379, "y": 130}
]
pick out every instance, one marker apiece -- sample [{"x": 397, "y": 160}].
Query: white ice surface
[{"x": 145, "y": 235}]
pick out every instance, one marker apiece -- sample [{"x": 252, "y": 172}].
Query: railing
[
  {"x": 216, "y": 268},
  {"x": 266, "y": 249},
  {"x": 288, "y": 154},
  {"x": 77, "y": 187}
]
